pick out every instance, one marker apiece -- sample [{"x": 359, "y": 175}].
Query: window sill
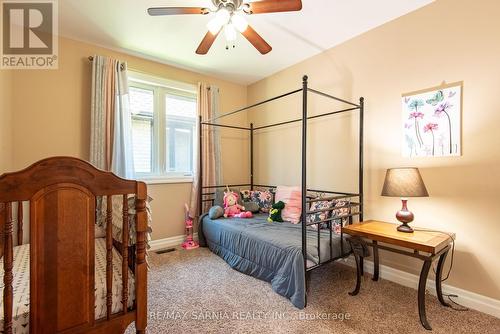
[{"x": 172, "y": 180}]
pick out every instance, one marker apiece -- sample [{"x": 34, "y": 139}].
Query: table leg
[
  {"x": 421, "y": 294},
  {"x": 362, "y": 265},
  {"x": 375, "y": 262},
  {"x": 439, "y": 273},
  {"x": 358, "y": 275}
]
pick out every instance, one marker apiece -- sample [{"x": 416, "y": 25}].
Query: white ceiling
[{"x": 322, "y": 24}]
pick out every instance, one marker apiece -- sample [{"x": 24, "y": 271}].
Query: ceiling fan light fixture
[
  {"x": 214, "y": 26},
  {"x": 230, "y": 32},
  {"x": 221, "y": 18},
  {"x": 239, "y": 22},
  {"x": 229, "y": 15}
]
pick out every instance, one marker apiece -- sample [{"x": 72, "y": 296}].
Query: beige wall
[
  {"x": 447, "y": 40},
  {"x": 45, "y": 113},
  {"x": 51, "y": 116},
  {"x": 5, "y": 120}
]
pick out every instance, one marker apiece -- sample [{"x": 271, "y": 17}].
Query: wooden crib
[{"x": 62, "y": 193}]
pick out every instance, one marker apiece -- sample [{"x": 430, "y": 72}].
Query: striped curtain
[
  {"x": 111, "y": 123},
  {"x": 111, "y": 136},
  {"x": 208, "y": 107}
]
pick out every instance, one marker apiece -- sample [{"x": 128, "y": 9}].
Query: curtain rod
[{"x": 91, "y": 58}]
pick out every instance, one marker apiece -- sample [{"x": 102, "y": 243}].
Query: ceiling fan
[{"x": 229, "y": 16}]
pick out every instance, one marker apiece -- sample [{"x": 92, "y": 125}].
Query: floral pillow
[
  {"x": 319, "y": 216},
  {"x": 343, "y": 208},
  {"x": 342, "y": 211},
  {"x": 246, "y": 195},
  {"x": 263, "y": 198},
  {"x": 336, "y": 224}
]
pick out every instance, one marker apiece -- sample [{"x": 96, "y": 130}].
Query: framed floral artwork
[{"x": 432, "y": 122}]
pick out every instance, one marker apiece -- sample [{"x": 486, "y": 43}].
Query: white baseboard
[
  {"x": 169, "y": 242},
  {"x": 466, "y": 298}
]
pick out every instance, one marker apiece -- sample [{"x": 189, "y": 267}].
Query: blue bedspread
[{"x": 268, "y": 251}]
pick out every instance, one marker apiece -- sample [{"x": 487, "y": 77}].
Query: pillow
[
  {"x": 215, "y": 212},
  {"x": 251, "y": 206},
  {"x": 343, "y": 210},
  {"x": 264, "y": 199},
  {"x": 292, "y": 196},
  {"x": 338, "y": 223},
  {"x": 337, "y": 226},
  {"x": 318, "y": 216},
  {"x": 246, "y": 195}
]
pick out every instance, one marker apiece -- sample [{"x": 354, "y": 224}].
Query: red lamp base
[
  {"x": 405, "y": 228},
  {"x": 404, "y": 216}
]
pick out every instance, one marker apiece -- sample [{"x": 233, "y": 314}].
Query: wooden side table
[{"x": 424, "y": 245}]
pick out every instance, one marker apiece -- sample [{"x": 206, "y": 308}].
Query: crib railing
[
  {"x": 62, "y": 195},
  {"x": 124, "y": 250},
  {"x": 8, "y": 292},
  {"x": 109, "y": 255}
]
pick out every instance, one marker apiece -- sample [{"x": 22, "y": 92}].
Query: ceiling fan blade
[
  {"x": 273, "y": 6},
  {"x": 206, "y": 43},
  {"x": 257, "y": 41},
  {"x": 158, "y": 11}
]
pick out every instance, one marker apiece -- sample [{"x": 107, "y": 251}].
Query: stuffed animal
[
  {"x": 275, "y": 212},
  {"x": 232, "y": 208}
]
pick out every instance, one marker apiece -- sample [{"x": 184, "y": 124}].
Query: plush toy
[
  {"x": 275, "y": 212},
  {"x": 232, "y": 208}
]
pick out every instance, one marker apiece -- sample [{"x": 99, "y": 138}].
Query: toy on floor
[
  {"x": 232, "y": 208},
  {"x": 275, "y": 212},
  {"x": 189, "y": 243}
]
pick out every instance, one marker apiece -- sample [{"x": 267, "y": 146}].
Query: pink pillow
[{"x": 292, "y": 196}]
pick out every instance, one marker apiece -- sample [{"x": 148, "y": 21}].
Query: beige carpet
[{"x": 197, "y": 292}]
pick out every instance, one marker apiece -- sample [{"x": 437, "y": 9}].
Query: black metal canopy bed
[{"x": 283, "y": 254}]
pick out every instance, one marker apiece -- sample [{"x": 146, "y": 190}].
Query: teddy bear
[
  {"x": 232, "y": 208},
  {"x": 275, "y": 212}
]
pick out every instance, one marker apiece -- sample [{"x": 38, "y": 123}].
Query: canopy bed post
[
  {"x": 361, "y": 149},
  {"x": 200, "y": 168},
  {"x": 304, "y": 173},
  {"x": 251, "y": 156},
  {"x": 141, "y": 269}
]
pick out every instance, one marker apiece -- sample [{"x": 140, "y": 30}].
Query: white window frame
[{"x": 161, "y": 88}]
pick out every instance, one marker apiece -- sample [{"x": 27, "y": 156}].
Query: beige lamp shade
[{"x": 404, "y": 182}]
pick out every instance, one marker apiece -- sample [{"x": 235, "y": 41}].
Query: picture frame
[{"x": 432, "y": 121}]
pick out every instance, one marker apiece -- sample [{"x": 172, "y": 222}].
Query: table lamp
[{"x": 404, "y": 183}]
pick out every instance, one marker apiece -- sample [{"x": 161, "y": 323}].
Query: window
[{"x": 163, "y": 128}]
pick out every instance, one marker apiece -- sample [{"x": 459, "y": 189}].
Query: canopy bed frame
[
  {"x": 63, "y": 193},
  {"x": 207, "y": 192}
]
